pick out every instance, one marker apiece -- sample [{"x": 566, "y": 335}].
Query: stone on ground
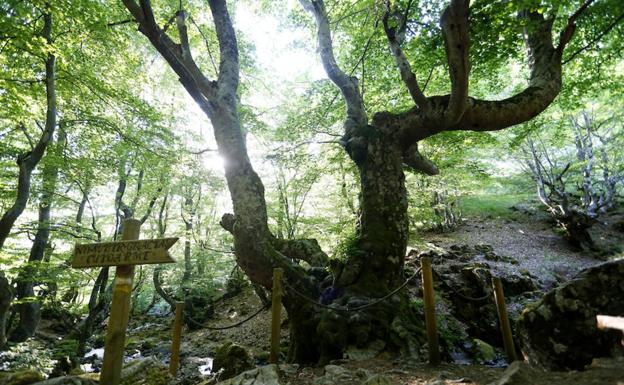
[
  {"x": 264, "y": 375},
  {"x": 233, "y": 359},
  {"x": 337, "y": 375},
  {"x": 483, "y": 352},
  {"x": 518, "y": 373}
]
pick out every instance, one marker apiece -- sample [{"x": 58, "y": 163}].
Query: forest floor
[{"x": 528, "y": 237}]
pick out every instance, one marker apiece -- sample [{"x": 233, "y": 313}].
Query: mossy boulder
[
  {"x": 148, "y": 371},
  {"x": 233, "y": 359},
  {"x": 559, "y": 332},
  {"x": 23, "y": 377},
  {"x": 482, "y": 351}
]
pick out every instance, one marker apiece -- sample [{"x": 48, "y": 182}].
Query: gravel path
[{"x": 531, "y": 241}]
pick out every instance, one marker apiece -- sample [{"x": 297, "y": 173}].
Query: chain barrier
[
  {"x": 333, "y": 307},
  {"x": 354, "y": 309},
  {"x": 468, "y": 298},
  {"x": 239, "y": 323}
]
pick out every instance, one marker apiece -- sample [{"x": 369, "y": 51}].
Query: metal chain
[
  {"x": 229, "y": 326},
  {"x": 347, "y": 309},
  {"x": 468, "y": 298}
]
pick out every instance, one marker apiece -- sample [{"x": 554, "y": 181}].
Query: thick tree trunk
[
  {"x": 576, "y": 226},
  {"x": 30, "y": 310},
  {"x": 383, "y": 228},
  {"x": 372, "y": 270}
]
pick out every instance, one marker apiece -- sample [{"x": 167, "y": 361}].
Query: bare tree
[{"x": 575, "y": 202}]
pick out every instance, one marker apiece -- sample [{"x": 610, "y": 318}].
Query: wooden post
[
  {"x": 430, "y": 318},
  {"x": 610, "y": 322},
  {"x": 174, "y": 362},
  {"x": 120, "y": 312},
  {"x": 276, "y": 316},
  {"x": 503, "y": 319}
]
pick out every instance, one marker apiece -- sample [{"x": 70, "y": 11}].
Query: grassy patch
[{"x": 494, "y": 205}]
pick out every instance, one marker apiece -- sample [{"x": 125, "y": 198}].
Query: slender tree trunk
[
  {"x": 30, "y": 311},
  {"x": 188, "y": 227},
  {"x": 163, "y": 216},
  {"x": 5, "y": 304}
]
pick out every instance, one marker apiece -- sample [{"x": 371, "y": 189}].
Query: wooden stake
[
  {"x": 503, "y": 319},
  {"x": 276, "y": 316},
  {"x": 120, "y": 312},
  {"x": 610, "y": 322},
  {"x": 174, "y": 362},
  {"x": 430, "y": 318}
]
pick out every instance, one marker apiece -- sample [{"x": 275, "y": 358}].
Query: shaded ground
[
  {"x": 602, "y": 372},
  {"x": 531, "y": 239},
  {"x": 527, "y": 237},
  {"x": 524, "y": 236}
]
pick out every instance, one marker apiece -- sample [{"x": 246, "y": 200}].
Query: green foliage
[
  {"x": 65, "y": 348},
  {"x": 348, "y": 246},
  {"x": 492, "y": 206}
]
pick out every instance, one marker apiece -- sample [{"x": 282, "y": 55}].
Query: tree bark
[
  {"x": 6, "y": 295},
  {"x": 30, "y": 311}
]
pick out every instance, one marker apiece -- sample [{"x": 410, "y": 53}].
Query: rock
[
  {"x": 289, "y": 369},
  {"x": 524, "y": 208},
  {"x": 482, "y": 351},
  {"x": 371, "y": 351},
  {"x": 24, "y": 377},
  {"x": 233, "y": 359},
  {"x": 264, "y": 375},
  {"x": 559, "y": 332},
  {"x": 335, "y": 375},
  {"x": 377, "y": 379},
  {"x": 148, "y": 371},
  {"x": 518, "y": 373},
  {"x": 69, "y": 380}
]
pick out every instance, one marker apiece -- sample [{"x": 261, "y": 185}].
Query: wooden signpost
[{"x": 124, "y": 254}]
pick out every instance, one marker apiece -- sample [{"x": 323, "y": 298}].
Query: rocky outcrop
[
  {"x": 559, "y": 332},
  {"x": 463, "y": 278}
]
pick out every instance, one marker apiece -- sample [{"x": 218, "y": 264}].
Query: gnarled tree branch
[
  {"x": 348, "y": 85},
  {"x": 403, "y": 64},
  {"x": 454, "y": 24}
]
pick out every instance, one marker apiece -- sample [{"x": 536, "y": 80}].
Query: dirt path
[{"x": 528, "y": 239}]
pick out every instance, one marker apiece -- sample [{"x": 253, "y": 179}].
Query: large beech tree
[{"x": 380, "y": 147}]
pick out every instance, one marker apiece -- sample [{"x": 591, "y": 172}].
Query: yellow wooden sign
[{"x": 123, "y": 253}]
